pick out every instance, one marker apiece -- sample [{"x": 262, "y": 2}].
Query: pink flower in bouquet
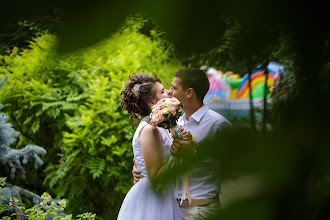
[
  {"x": 172, "y": 109},
  {"x": 174, "y": 102},
  {"x": 165, "y": 112},
  {"x": 157, "y": 117},
  {"x": 156, "y": 107},
  {"x": 171, "y": 102}
]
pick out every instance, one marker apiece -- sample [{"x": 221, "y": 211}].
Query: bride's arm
[{"x": 151, "y": 147}]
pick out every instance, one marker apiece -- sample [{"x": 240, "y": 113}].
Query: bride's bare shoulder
[{"x": 149, "y": 131}]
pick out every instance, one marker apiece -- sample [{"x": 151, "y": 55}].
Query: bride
[{"x": 151, "y": 148}]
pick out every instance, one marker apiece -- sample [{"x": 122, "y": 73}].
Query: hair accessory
[{"x": 136, "y": 87}]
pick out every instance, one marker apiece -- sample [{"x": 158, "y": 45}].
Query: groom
[{"x": 189, "y": 86}]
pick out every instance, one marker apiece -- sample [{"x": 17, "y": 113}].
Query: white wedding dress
[{"x": 142, "y": 202}]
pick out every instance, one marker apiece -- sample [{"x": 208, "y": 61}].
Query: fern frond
[{"x": 95, "y": 165}]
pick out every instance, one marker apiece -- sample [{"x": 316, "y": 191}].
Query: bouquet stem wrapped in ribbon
[{"x": 165, "y": 114}]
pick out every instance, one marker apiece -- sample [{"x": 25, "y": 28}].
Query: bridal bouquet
[{"x": 165, "y": 114}]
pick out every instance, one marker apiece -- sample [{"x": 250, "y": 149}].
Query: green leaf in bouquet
[{"x": 178, "y": 133}]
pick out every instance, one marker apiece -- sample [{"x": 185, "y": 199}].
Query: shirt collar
[{"x": 197, "y": 116}]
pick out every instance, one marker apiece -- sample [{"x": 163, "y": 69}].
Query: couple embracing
[{"x": 153, "y": 146}]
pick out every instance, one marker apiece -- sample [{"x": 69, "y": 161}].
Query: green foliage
[
  {"x": 3, "y": 208},
  {"x": 70, "y": 104},
  {"x": 47, "y": 209},
  {"x": 22, "y": 29}
]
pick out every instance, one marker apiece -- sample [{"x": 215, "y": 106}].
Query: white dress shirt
[{"x": 204, "y": 183}]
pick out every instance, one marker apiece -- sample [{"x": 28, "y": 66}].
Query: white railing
[{"x": 237, "y": 107}]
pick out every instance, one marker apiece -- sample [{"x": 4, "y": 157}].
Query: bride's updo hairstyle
[{"x": 138, "y": 92}]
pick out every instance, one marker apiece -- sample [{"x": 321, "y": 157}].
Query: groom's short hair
[{"x": 196, "y": 79}]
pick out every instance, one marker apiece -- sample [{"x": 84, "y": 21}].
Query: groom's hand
[
  {"x": 183, "y": 132},
  {"x": 183, "y": 147},
  {"x": 136, "y": 173}
]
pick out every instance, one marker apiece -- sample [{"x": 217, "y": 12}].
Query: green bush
[
  {"x": 70, "y": 104},
  {"x": 46, "y": 209}
]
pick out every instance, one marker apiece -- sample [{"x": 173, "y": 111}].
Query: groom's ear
[{"x": 190, "y": 92}]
